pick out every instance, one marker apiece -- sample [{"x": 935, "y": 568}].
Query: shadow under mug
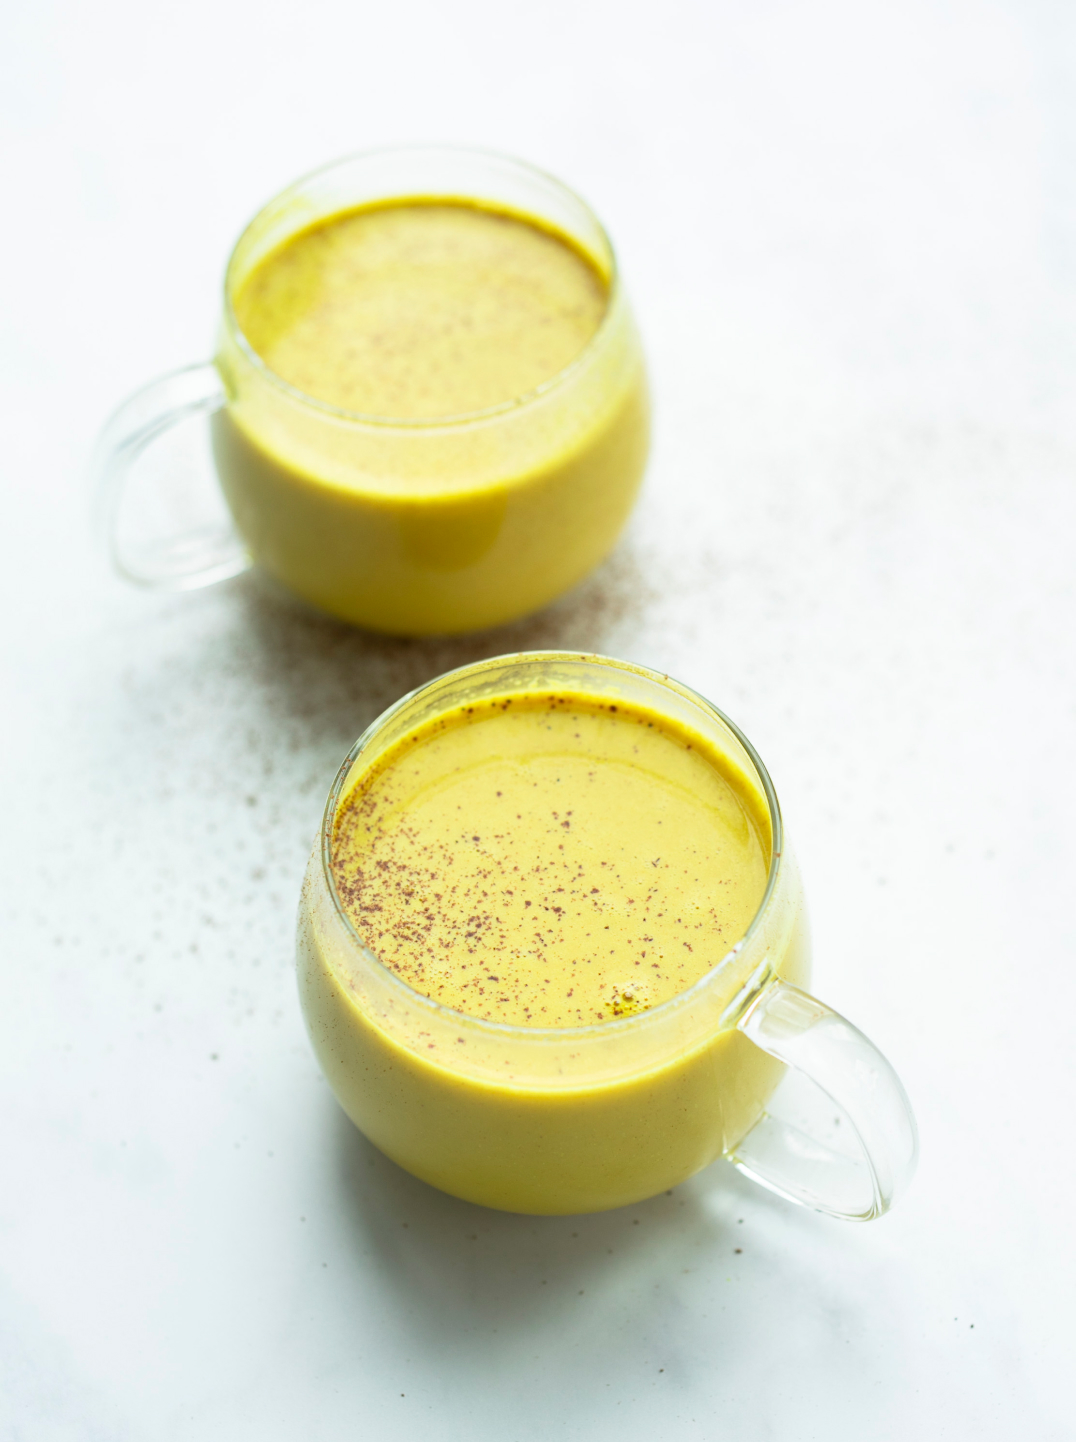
[
  {"x": 744, "y": 1063},
  {"x": 410, "y": 527}
]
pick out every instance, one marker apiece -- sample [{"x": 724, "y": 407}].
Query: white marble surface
[{"x": 850, "y": 231}]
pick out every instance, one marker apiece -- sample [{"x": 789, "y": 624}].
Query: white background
[{"x": 850, "y": 232}]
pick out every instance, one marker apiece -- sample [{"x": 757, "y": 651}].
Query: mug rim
[
  {"x": 411, "y": 423},
  {"x": 615, "y": 1026}
]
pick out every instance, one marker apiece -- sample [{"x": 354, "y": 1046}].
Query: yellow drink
[
  {"x": 550, "y": 860},
  {"x": 437, "y": 412},
  {"x": 511, "y": 1043},
  {"x": 421, "y": 311}
]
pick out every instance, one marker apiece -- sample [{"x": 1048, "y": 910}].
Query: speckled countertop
[{"x": 849, "y": 230}]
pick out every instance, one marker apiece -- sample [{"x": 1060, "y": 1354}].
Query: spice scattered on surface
[{"x": 550, "y": 860}]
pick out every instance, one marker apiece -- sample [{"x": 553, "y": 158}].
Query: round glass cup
[
  {"x": 427, "y": 526},
  {"x": 743, "y": 1064}
]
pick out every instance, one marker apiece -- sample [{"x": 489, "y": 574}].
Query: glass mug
[
  {"x": 410, "y": 527},
  {"x": 744, "y": 1063}
]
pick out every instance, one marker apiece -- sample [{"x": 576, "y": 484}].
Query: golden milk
[
  {"x": 549, "y": 860},
  {"x": 548, "y": 882},
  {"x": 421, "y": 311},
  {"x": 437, "y": 413}
]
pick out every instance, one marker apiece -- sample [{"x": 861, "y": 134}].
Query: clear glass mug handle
[
  {"x": 839, "y": 1135},
  {"x": 198, "y": 550}
]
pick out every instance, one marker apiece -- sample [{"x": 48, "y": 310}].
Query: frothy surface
[
  {"x": 421, "y": 309},
  {"x": 550, "y": 859}
]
